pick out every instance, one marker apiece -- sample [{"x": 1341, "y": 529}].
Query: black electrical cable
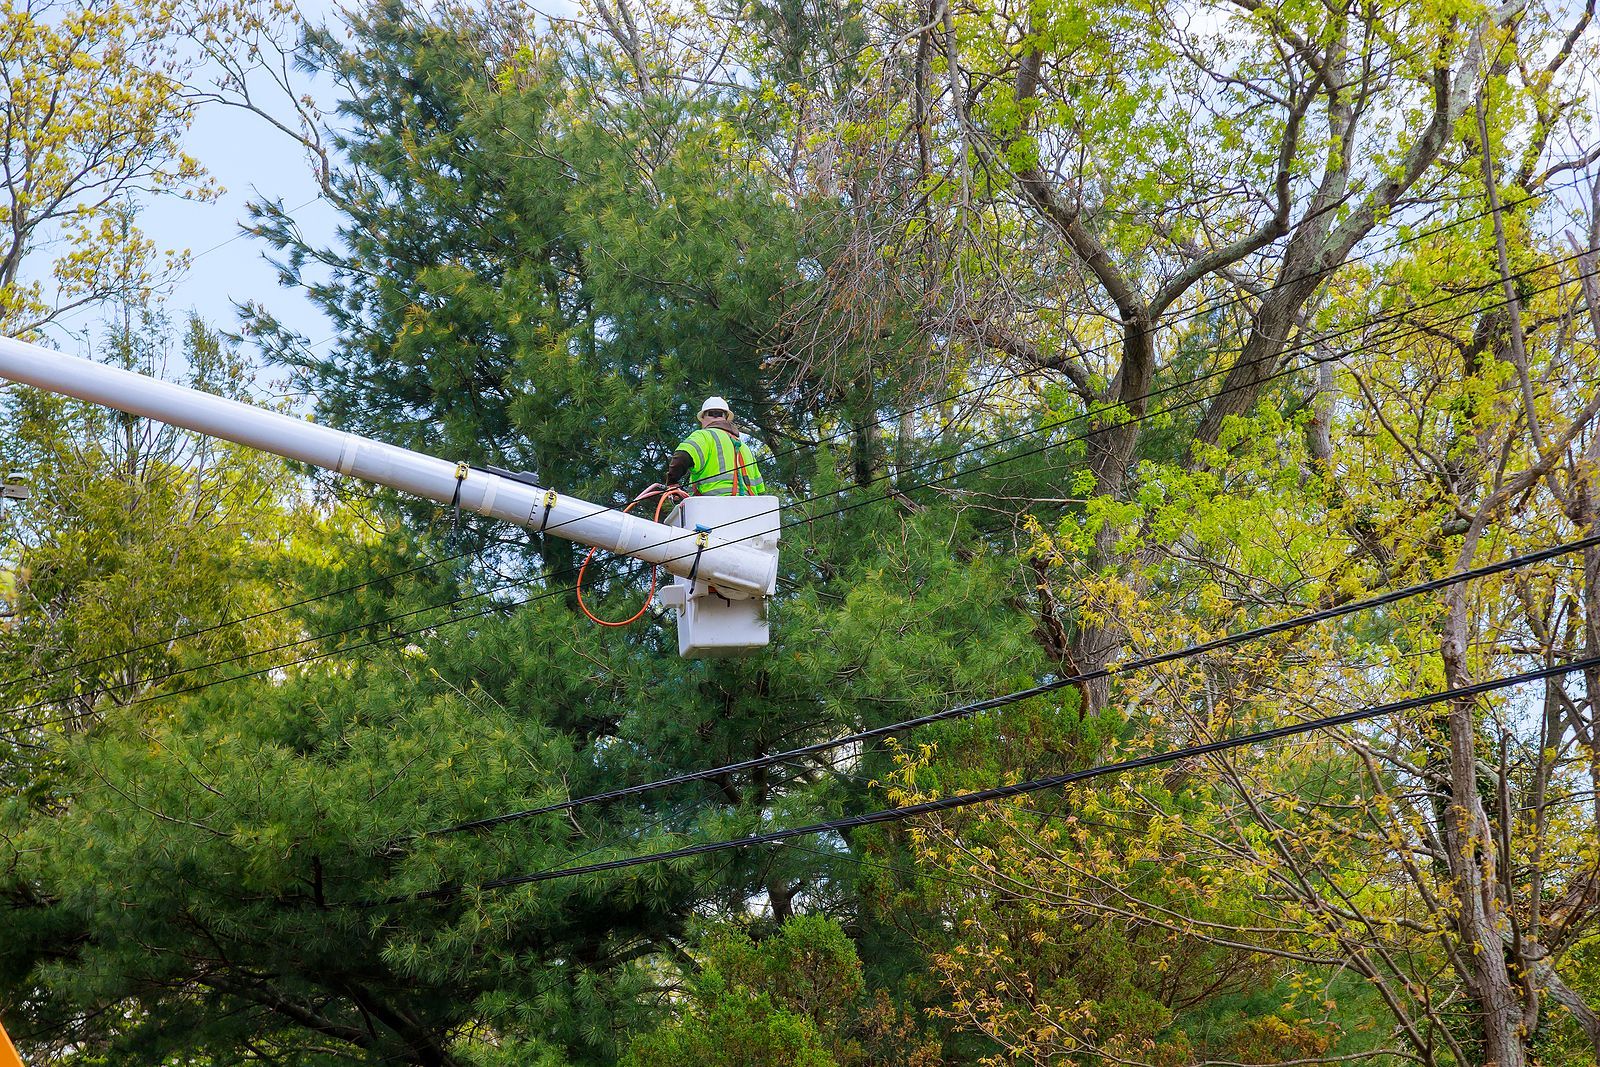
[
  {"x": 976, "y": 389},
  {"x": 1002, "y": 792},
  {"x": 963, "y": 711},
  {"x": 1443, "y": 227},
  {"x": 1299, "y": 346},
  {"x": 1197, "y": 312},
  {"x": 1283, "y": 372},
  {"x": 1109, "y": 345},
  {"x": 79, "y": 665}
]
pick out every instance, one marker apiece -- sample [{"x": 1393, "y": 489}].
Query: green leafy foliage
[
  {"x": 794, "y": 999},
  {"x": 554, "y": 240}
]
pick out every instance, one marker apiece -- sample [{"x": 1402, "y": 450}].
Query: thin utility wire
[
  {"x": 1301, "y": 346},
  {"x": 265, "y": 613},
  {"x": 963, "y": 711},
  {"x": 390, "y": 619},
  {"x": 776, "y": 454},
  {"x": 247, "y": 232},
  {"x": 808, "y": 519},
  {"x": 1200, "y": 311},
  {"x": 1287, "y": 370},
  {"x": 1001, "y": 792},
  {"x": 1215, "y": 372},
  {"x": 1205, "y": 308},
  {"x": 834, "y": 767}
]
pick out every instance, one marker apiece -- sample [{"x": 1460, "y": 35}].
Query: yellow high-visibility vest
[{"x": 721, "y": 465}]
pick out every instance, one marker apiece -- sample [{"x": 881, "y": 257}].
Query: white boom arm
[{"x": 738, "y": 567}]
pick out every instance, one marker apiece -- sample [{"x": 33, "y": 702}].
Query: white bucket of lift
[{"x": 712, "y": 621}]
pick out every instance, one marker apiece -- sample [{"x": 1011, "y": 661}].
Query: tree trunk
[
  {"x": 1473, "y": 853},
  {"x": 1111, "y": 448}
]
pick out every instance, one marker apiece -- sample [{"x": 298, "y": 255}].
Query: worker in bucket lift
[{"x": 715, "y": 460}]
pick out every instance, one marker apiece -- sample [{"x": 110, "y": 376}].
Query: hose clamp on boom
[
  {"x": 702, "y": 539},
  {"x": 462, "y": 470},
  {"x": 549, "y": 502}
]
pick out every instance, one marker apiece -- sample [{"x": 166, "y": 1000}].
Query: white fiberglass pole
[{"x": 734, "y": 566}]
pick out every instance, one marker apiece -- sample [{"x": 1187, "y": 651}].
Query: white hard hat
[{"x": 715, "y": 403}]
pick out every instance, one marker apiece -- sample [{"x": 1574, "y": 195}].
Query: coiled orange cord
[{"x": 661, "y": 502}]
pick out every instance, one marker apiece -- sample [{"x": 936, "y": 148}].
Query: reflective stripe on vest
[
  {"x": 696, "y": 454},
  {"x": 723, "y": 466}
]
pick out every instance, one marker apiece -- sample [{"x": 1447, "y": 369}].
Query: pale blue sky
[{"x": 251, "y": 160}]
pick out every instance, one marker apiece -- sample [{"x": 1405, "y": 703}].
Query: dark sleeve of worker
[{"x": 678, "y": 467}]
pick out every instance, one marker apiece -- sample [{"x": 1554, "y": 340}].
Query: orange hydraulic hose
[{"x": 661, "y": 501}]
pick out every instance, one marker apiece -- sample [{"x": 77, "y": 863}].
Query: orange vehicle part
[{"x": 8, "y": 1051}]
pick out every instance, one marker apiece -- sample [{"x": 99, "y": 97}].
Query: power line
[
  {"x": 1197, "y": 312},
  {"x": 376, "y": 642},
  {"x": 246, "y": 232},
  {"x": 811, "y": 518},
  {"x": 225, "y": 623},
  {"x": 963, "y": 711},
  {"x": 1283, "y": 372},
  {"x": 1002, "y": 792},
  {"x": 1299, "y": 346}
]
